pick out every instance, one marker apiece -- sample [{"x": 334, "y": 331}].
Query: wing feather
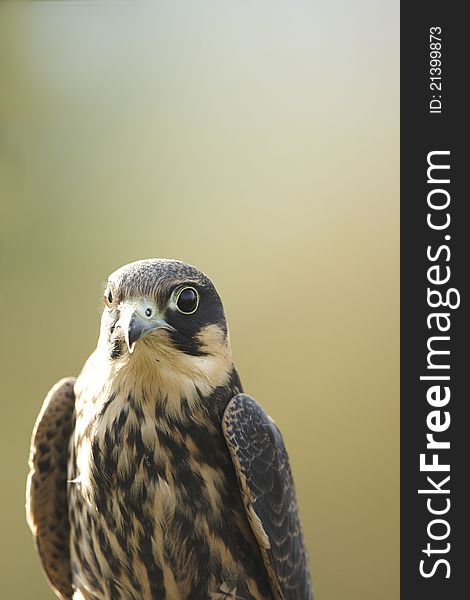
[
  {"x": 46, "y": 489},
  {"x": 263, "y": 470}
]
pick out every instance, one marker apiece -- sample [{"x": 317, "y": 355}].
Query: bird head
[{"x": 165, "y": 315}]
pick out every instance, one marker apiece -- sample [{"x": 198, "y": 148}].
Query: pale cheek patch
[{"x": 157, "y": 369}]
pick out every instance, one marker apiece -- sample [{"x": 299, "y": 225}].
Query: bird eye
[
  {"x": 187, "y": 301},
  {"x": 108, "y": 298}
]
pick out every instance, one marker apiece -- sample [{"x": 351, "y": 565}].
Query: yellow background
[{"x": 258, "y": 141}]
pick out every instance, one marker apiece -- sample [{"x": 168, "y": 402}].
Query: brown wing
[
  {"x": 46, "y": 488},
  {"x": 267, "y": 488}
]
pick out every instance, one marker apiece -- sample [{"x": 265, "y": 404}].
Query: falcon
[{"x": 152, "y": 475}]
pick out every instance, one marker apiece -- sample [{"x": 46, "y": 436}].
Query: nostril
[{"x": 148, "y": 312}]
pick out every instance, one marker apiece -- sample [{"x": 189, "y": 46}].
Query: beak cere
[
  {"x": 135, "y": 331},
  {"x": 135, "y": 325}
]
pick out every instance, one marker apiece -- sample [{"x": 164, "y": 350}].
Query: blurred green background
[{"x": 258, "y": 141}]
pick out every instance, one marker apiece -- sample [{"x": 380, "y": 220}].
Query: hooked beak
[{"x": 135, "y": 323}]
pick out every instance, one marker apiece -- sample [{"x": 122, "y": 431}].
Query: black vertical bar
[{"x": 422, "y": 132}]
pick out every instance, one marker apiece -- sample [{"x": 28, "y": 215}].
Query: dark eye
[
  {"x": 108, "y": 297},
  {"x": 187, "y": 301}
]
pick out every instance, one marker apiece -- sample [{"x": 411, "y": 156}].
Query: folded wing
[
  {"x": 46, "y": 491},
  {"x": 267, "y": 487}
]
